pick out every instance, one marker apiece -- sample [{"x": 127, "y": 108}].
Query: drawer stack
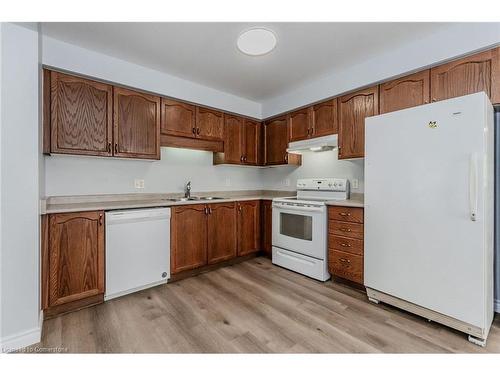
[{"x": 345, "y": 243}]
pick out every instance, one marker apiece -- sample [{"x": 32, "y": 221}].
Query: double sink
[{"x": 185, "y": 199}]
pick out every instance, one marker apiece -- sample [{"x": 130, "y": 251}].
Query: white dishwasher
[{"x": 137, "y": 250}]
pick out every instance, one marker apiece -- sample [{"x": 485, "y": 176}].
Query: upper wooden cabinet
[
  {"x": 480, "y": 72},
  {"x": 325, "y": 118},
  {"x": 353, "y": 109},
  {"x": 188, "y": 243},
  {"x": 300, "y": 124},
  {"x": 405, "y": 92},
  {"x": 209, "y": 124},
  {"x": 77, "y": 115},
  {"x": 221, "y": 224},
  {"x": 233, "y": 140},
  {"x": 73, "y": 258},
  {"x": 251, "y": 143},
  {"x": 276, "y": 141},
  {"x": 136, "y": 124},
  {"x": 178, "y": 118},
  {"x": 248, "y": 227}
]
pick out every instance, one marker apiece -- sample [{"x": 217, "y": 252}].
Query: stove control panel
[{"x": 323, "y": 184}]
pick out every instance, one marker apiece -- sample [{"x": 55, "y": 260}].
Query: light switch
[{"x": 355, "y": 183}]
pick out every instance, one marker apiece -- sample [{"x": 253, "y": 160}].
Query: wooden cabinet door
[
  {"x": 405, "y": 92},
  {"x": 353, "y": 109},
  {"x": 221, "y": 224},
  {"x": 233, "y": 139},
  {"x": 325, "y": 118},
  {"x": 76, "y": 256},
  {"x": 136, "y": 124},
  {"x": 480, "y": 72},
  {"x": 276, "y": 141},
  {"x": 178, "y": 118},
  {"x": 300, "y": 124},
  {"x": 267, "y": 226},
  {"x": 248, "y": 227},
  {"x": 251, "y": 142},
  {"x": 81, "y": 115},
  {"x": 188, "y": 238},
  {"x": 209, "y": 124}
]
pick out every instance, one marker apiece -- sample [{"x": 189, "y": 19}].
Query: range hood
[{"x": 326, "y": 143}]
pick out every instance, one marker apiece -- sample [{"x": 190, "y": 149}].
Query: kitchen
[{"x": 205, "y": 223}]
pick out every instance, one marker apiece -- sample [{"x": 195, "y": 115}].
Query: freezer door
[{"x": 424, "y": 206}]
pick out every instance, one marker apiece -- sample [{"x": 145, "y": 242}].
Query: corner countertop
[
  {"x": 356, "y": 200},
  {"x": 78, "y": 203}
]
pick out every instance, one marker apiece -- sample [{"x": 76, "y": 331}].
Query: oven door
[{"x": 300, "y": 228}]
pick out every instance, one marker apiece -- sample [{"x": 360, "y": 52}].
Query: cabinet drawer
[
  {"x": 345, "y": 265},
  {"x": 349, "y": 245},
  {"x": 351, "y": 214},
  {"x": 345, "y": 229}
]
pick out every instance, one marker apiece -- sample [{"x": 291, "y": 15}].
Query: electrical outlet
[
  {"x": 139, "y": 183},
  {"x": 227, "y": 181},
  {"x": 355, "y": 183}
]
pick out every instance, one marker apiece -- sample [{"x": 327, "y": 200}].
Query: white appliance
[
  {"x": 137, "y": 250},
  {"x": 325, "y": 143},
  {"x": 429, "y": 212},
  {"x": 300, "y": 226}
]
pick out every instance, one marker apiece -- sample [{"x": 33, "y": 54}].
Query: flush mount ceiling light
[{"x": 257, "y": 41}]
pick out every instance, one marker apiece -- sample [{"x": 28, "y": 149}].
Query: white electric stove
[{"x": 300, "y": 226}]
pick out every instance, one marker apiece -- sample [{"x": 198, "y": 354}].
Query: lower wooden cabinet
[
  {"x": 266, "y": 208},
  {"x": 345, "y": 243},
  {"x": 72, "y": 260},
  {"x": 205, "y": 234},
  {"x": 248, "y": 227},
  {"x": 221, "y": 232},
  {"x": 188, "y": 237}
]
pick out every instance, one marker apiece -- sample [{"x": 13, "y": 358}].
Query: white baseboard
[
  {"x": 23, "y": 339},
  {"x": 496, "y": 305}
]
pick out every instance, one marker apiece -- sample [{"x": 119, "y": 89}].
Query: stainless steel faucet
[{"x": 187, "y": 193}]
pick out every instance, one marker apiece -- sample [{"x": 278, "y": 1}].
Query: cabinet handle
[
  {"x": 198, "y": 131},
  {"x": 206, "y": 210},
  {"x": 209, "y": 210},
  {"x": 433, "y": 99},
  {"x": 344, "y": 229},
  {"x": 100, "y": 219},
  {"x": 241, "y": 158},
  {"x": 343, "y": 244},
  {"x": 245, "y": 159},
  {"x": 344, "y": 214},
  {"x": 239, "y": 208},
  {"x": 286, "y": 158},
  {"x": 116, "y": 148},
  {"x": 343, "y": 260},
  {"x": 308, "y": 131},
  {"x": 194, "y": 130},
  {"x": 312, "y": 130},
  {"x": 109, "y": 148}
]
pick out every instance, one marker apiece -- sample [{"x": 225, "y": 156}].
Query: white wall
[
  {"x": 314, "y": 164},
  {"x": 73, "y": 175},
  {"x": 19, "y": 230},
  {"x": 83, "y": 61},
  {"x": 452, "y": 41}
]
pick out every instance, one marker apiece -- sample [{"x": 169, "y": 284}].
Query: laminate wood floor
[{"x": 252, "y": 307}]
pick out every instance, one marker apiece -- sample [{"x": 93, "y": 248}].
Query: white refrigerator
[{"x": 429, "y": 212}]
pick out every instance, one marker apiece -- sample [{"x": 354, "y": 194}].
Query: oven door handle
[{"x": 298, "y": 208}]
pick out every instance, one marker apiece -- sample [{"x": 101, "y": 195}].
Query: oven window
[{"x": 297, "y": 226}]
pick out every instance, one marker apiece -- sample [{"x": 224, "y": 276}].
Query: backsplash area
[
  {"x": 315, "y": 164},
  {"x": 78, "y": 175}
]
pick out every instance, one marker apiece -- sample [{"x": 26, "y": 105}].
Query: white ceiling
[{"x": 206, "y": 52}]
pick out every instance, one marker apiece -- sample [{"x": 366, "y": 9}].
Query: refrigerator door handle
[{"x": 473, "y": 186}]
